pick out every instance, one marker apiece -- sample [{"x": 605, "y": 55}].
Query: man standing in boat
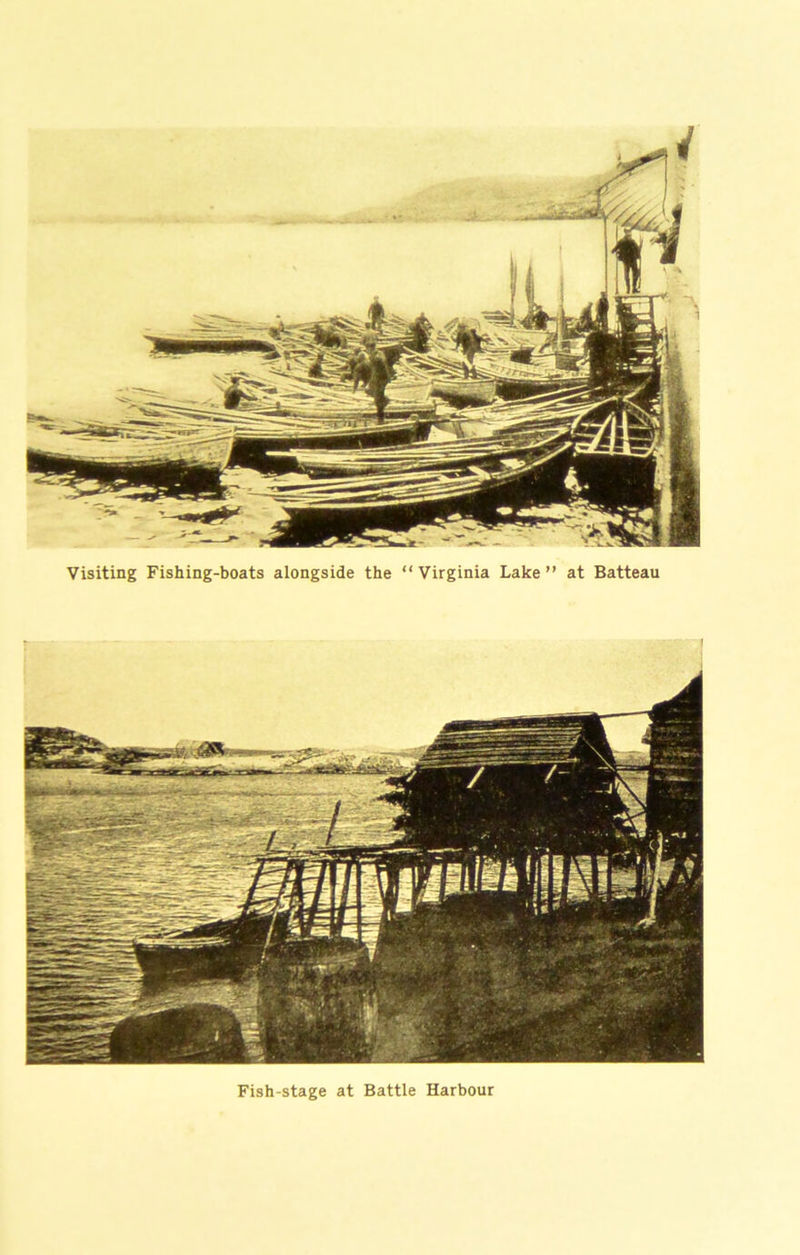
[
  {"x": 233, "y": 394},
  {"x": 421, "y": 329},
  {"x": 629, "y": 254},
  {"x": 468, "y": 342},
  {"x": 602, "y": 350},
  {"x": 376, "y": 314},
  {"x": 380, "y": 374},
  {"x": 601, "y": 312},
  {"x": 357, "y": 368}
]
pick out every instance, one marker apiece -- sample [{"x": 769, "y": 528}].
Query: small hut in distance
[
  {"x": 514, "y": 783},
  {"x": 199, "y": 749}
]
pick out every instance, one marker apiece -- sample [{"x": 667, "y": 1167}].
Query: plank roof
[{"x": 526, "y": 740}]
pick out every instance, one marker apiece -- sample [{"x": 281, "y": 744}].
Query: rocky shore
[{"x": 63, "y": 748}]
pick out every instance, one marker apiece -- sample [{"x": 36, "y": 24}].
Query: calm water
[
  {"x": 94, "y": 287},
  {"x": 114, "y": 857}
]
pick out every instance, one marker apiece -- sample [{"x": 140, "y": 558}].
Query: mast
[
  {"x": 513, "y": 285},
  {"x": 560, "y": 320},
  {"x": 529, "y": 288}
]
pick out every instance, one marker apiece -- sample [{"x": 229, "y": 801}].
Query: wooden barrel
[
  {"x": 317, "y": 1001},
  {"x": 199, "y": 1032}
]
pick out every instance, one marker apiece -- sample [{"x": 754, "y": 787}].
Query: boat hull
[
  {"x": 615, "y": 442},
  {"x": 465, "y": 391},
  {"x": 199, "y": 342},
  {"x": 130, "y": 452},
  {"x": 429, "y": 494},
  {"x": 217, "y": 949}
]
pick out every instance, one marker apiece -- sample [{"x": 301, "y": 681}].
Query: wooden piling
[
  {"x": 565, "y": 862},
  {"x": 312, "y": 910},
  {"x": 343, "y": 899}
]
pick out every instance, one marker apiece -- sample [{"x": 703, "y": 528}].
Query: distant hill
[
  {"x": 488, "y": 199},
  {"x": 632, "y": 759},
  {"x": 61, "y": 747}
]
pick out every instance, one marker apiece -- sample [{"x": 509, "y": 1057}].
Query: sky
[
  {"x": 340, "y": 694},
  {"x": 294, "y": 170}
]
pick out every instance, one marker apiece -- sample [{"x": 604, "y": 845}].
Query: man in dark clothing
[
  {"x": 421, "y": 329},
  {"x": 358, "y": 368},
  {"x": 627, "y": 334},
  {"x": 602, "y": 350},
  {"x": 468, "y": 342},
  {"x": 380, "y": 374},
  {"x": 669, "y": 240},
  {"x": 584, "y": 322},
  {"x": 629, "y": 254},
  {"x": 601, "y": 312},
  {"x": 376, "y": 314},
  {"x": 233, "y": 394},
  {"x": 315, "y": 369},
  {"x": 329, "y": 336}
]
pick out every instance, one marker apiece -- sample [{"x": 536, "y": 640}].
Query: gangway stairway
[{"x": 640, "y": 307}]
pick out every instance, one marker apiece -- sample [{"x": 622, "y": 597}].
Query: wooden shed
[
  {"x": 675, "y": 780},
  {"x": 515, "y": 782},
  {"x": 199, "y": 749}
]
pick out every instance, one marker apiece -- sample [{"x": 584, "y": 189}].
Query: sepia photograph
[
  {"x": 480, "y": 851},
  {"x": 372, "y": 336}
]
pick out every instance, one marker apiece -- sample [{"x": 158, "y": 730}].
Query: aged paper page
[{"x": 613, "y": 1155}]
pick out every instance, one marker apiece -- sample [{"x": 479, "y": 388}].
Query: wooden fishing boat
[
  {"x": 258, "y": 436},
  {"x": 222, "y": 947},
  {"x": 464, "y": 391},
  {"x": 216, "y": 335},
  {"x": 359, "y": 500},
  {"x": 430, "y": 455},
  {"x": 615, "y": 442},
  {"x": 521, "y": 379},
  {"x": 133, "y": 449},
  {"x": 335, "y": 404},
  {"x": 526, "y": 414}
]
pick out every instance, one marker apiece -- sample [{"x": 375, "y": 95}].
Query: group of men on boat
[{"x": 371, "y": 367}]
